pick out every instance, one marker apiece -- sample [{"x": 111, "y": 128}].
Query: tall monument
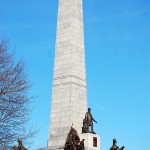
[{"x": 69, "y": 102}]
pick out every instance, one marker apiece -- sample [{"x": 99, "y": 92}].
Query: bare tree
[{"x": 14, "y": 99}]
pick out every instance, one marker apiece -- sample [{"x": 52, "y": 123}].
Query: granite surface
[{"x": 69, "y": 99}]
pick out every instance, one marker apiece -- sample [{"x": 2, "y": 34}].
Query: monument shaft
[{"x": 69, "y": 102}]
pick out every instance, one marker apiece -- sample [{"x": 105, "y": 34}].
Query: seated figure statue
[{"x": 88, "y": 122}]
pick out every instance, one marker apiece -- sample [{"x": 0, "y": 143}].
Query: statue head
[
  {"x": 114, "y": 141},
  {"x": 19, "y": 141},
  {"x": 89, "y": 109}
]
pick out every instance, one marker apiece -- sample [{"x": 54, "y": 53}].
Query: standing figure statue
[
  {"x": 88, "y": 122},
  {"x": 115, "y": 147}
]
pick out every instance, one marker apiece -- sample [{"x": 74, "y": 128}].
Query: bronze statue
[
  {"x": 15, "y": 148},
  {"x": 73, "y": 141},
  {"x": 88, "y": 122},
  {"x": 81, "y": 145},
  {"x": 20, "y": 146},
  {"x": 115, "y": 147}
]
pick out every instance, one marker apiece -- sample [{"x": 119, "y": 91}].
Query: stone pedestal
[
  {"x": 92, "y": 141},
  {"x": 51, "y": 148}
]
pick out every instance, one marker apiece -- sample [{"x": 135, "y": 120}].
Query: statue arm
[{"x": 94, "y": 120}]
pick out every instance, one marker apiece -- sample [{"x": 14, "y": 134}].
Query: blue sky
[{"x": 117, "y": 47}]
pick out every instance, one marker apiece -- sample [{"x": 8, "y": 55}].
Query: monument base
[
  {"x": 92, "y": 141},
  {"x": 51, "y": 148}
]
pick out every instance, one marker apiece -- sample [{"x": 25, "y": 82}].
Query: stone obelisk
[{"x": 69, "y": 102}]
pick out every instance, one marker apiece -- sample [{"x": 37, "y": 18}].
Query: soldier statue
[
  {"x": 88, "y": 122},
  {"x": 73, "y": 141},
  {"x": 115, "y": 147},
  {"x": 20, "y": 146}
]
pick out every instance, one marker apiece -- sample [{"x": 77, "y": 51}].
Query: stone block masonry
[{"x": 69, "y": 101}]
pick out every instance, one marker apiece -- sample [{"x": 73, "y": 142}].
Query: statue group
[
  {"x": 74, "y": 145},
  {"x": 88, "y": 122},
  {"x": 73, "y": 141},
  {"x": 115, "y": 147},
  {"x": 20, "y": 146},
  {"x": 88, "y": 128}
]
